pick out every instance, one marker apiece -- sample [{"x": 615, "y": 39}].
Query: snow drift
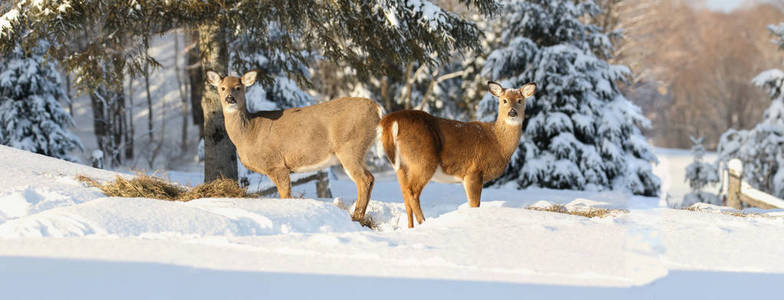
[{"x": 59, "y": 234}]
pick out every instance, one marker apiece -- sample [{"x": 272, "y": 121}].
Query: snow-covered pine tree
[
  {"x": 580, "y": 132},
  {"x": 699, "y": 174},
  {"x": 30, "y": 112},
  {"x": 761, "y": 149},
  {"x": 277, "y": 89}
]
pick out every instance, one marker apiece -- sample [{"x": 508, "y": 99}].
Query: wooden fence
[
  {"x": 740, "y": 192},
  {"x": 322, "y": 185}
]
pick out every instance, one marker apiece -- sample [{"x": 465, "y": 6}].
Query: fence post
[
  {"x": 322, "y": 185},
  {"x": 735, "y": 171}
]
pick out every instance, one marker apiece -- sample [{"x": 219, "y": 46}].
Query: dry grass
[
  {"x": 729, "y": 212},
  {"x": 590, "y": 213},
  {"x": 220, "y": 188},
  {"x": 144, "y": 186}
]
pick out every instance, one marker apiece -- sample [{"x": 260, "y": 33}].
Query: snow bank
[
  {"x": 123, "y": 217},
  {"x": 56, "y": 233}
]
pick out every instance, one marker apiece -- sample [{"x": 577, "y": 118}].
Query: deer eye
[
  {"x": 504, "y": 101},
  {"x": 237, "y": 88},
  {"x": 223, "y": 88},
  {"x": 519, "y": 101}
]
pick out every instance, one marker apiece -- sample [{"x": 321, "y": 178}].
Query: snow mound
[
  {"x": 138, "y": 217},
  {"x": 27, "y": 200}
]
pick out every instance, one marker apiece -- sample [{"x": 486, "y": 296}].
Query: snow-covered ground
[{"x": 59, "y": 239}]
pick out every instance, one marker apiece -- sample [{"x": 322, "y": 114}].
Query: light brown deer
[
  {"x": 304, "y": 139},
  {"x": 422, "y": 147}
]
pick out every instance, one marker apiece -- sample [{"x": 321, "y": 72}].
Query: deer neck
[
  {"x": 237, "y": 123},
  {"x": 508, "y": 136}
]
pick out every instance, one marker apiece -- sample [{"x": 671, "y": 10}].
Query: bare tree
[
  {"x": 129, "y": 133},
  {"x": 181, "y": 86},
  {"x": 692, "y": 67},
  {"x": 195, "y": 78}
]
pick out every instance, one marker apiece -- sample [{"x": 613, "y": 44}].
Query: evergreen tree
[
  {"x": 580, "y": 132},
  {"x": 30, "y": 112},
  {"x": 281, "y": 91},
  {"x": 761, "y": 149},
  {"x": 698, "y": 175}
]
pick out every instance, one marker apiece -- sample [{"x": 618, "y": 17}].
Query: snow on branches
[
  {"x": 30, "y": 112},
  {"x": 580, "y": 132}
]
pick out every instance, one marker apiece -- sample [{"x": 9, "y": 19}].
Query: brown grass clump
[
  {"x": 219, "y": 188},
  {"x": 144, "y": 186},
  {"x": 590, "y": 213},
  {"x": 729, "y": 212}
]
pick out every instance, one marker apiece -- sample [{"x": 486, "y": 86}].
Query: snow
[
  {"x": 63, "y": 236},
  {"x": 758, "y": 195},
  {"x": 5, "y": 20}
]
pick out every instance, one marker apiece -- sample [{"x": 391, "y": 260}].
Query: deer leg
[
  {"x": 282, "y": 181},
  {"x": 406, "y": 191},
  {"x": 416, "y": 190},
  {"x": 355, "y": 168},
  {"x": 419, "y": 175},
  {"x": 473, "y": 188},
  {"x": 409, "y": 209}
]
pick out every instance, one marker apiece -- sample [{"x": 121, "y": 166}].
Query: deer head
[
  {"x": 511, "y": 102},
  {"x": 231, "y": 89}
]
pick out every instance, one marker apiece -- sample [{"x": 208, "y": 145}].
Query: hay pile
[{"x": 144, "y": 186}]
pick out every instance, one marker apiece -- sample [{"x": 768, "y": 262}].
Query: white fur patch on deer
[
  {"x": 441, "y": 177},
  {"x": 396, "y": 164},
  {"x": 230, "y": 108},
  {"x": 331, "y": 161},
  {"x": 423, "y": 148},
  {"x": 302, "y": 139},
  {"x": 514, "y": 121}
]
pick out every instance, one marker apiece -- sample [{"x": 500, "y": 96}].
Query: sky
[{"x": 724, "y": 5}]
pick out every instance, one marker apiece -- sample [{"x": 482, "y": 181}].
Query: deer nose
[
  {"x": 513, "y": 113},
  {"x": 230, "y": 99}
]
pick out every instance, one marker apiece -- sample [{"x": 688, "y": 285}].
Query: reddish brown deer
[
  {"x": 422, "y": 147},
  {"x": 277, "y": 143}
]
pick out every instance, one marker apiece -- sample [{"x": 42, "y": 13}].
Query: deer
[
  {"x": 422, "y": 147},
  {"x": 304, "y": 139}
]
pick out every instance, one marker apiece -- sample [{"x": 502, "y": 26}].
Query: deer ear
[
  {"x": 528, "y": 90},
  {"x": 213, "y": 78},
  {"x": 249, "y": 78},
  {"x": 495, "y": 88}
]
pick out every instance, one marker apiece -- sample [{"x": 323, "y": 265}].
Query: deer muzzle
[
  {"x": 512, "y": 113},
  {"x": 230, "y": 99}
]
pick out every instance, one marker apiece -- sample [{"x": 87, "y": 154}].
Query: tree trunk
[
  {"x": 149, "y": 101},
  {"x": 129, "y": 132},
  {"x": 99, "y": 118},
  {"x": 196, "y": 78},
  {"x": 108, "y": 121},
  {"x": 118, "y": 128},
  {"x": 68, "y": 93},
  {"x": 220, "y": 156},
  {"x": 180, "y": 89}
]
